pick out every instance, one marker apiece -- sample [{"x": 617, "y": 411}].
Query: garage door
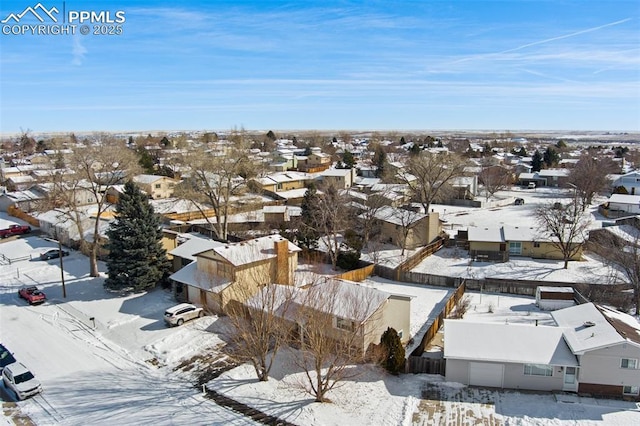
[{"x": 485, "y": 374}]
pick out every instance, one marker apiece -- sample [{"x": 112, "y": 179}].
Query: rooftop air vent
[{"x": 589, "y": 323}]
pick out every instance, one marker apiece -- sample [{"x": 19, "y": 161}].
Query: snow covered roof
[
  {"x": 250, "y": 251},
  {"x": 498, "y": 342},
  {"x": 585, "y": 328},
  {"x": 353, "y": 301},
  {"x": 491, "y": 235},
  {"x": 520, "y": 233},
  {"x": 336, "y": 172},
  {"x": 190, "y": 275},
  {"x": 398, "y": 216},
  {"x": 194, "y": 245},
  {"x": 554, "y": 172},
  {"x": 624, "y": 199},
  {"x": 146, "y": 179}
]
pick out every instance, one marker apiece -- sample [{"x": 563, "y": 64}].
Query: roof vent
[{"x": 589, "y": 323}]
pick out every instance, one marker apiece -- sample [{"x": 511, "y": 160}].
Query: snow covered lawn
[{"x": 121, "y": 366}]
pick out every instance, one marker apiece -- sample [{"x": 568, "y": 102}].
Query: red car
[{"x": 32, "y": 295}]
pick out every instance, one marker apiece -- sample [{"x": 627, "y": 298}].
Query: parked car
[
  {"x": 519, "y": 201},
  {"x": 14, "y": 230},
  {"x": 20, "y": 380},
  {"x": 178, "y": 314},
  {"x": 531, "y": 185},
  {"x": 53, "y": 254},
  {"x": 32, "y": 295},
  {"x": 6, "y": 357}
]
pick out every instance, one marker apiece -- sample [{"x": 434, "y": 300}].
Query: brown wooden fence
[
  {"x": 420, "y": 255},
  {"x": 418, "y": 366},
  {"x": 16, "y": 212},
  {"x": 357, "y": 275}
]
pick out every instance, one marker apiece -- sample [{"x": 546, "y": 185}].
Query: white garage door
[{"x": 485, "y": 374}]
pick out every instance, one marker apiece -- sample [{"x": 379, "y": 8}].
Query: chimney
[{"x": 282, "y": 261}]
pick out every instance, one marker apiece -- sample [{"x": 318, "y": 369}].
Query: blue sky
[{"x": 417, "y": 65}]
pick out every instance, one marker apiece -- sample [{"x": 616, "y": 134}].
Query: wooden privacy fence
[
  {"x": 439, "y": 320},
  {"x": 420, "y": 255},
  {"x": 357, "y": 275}
]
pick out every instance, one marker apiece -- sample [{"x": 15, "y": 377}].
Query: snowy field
[{"x": 119, "y": 368}]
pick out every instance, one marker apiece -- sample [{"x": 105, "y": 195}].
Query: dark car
[
  {"x": 519, "y": 201},
  {"x": 53, "y": 254},
  {"x": 32, "y": 295},
  {"x": 6, "y": 357}
]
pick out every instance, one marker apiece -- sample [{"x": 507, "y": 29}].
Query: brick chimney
[{"x": 282, "y": 262}]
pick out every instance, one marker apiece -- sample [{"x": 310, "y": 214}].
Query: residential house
[
  {"x": 515, "y": 356},
  {"x": 607, "y": 345},
  {"x": 591, "y": 350},
  {"x": 339, "y": 178},
  {"x": 316, "y": 161},
  {"x": 235, "y": 271},
  {"x": 623, "y": 205},
  {"x": 501, "y": 243},
  {"x": 545, "y": 177},
  {"x": 406, "y": 228},
  {"x": 26, "y": 201},
  {"x": 349, "y": 307},
  {"x": 285, "y": 181},
  {"x": 156, "y": 187},
  {"x": 630, "y": 182}
]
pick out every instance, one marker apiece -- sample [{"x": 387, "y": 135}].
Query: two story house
[{"x": 235, "y": 271}]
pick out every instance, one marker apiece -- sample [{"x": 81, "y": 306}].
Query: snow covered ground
[{"x": 120, "y": 367}]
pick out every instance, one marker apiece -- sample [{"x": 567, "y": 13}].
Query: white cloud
[{"x": 78, "y": 51}]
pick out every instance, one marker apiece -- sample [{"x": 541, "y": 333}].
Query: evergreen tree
[
  {"x": 415, "y": 149},
  {"x": 536, "y": 161},
  {"x": 348, "y": 160},
  {"x": 393, "y": 351},
  {"x": 550, "y": 157},
  {"x": 380, "y": 160},
  {"x": 136, "y": 261},
  {"x": 307, "y": 235}
]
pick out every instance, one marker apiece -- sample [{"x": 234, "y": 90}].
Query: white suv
[
  {"x": 178, "y": 314},
  {"x": 20, "y": 380}
]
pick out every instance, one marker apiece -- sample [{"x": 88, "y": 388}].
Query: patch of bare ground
[{"x": 11, "y": 410}]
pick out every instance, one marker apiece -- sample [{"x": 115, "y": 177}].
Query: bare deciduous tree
[
  {"x": 259, "y": 329},
  {"x": 590, "y": 176},
  {"x": 620, "y": 247},
  {"x": 566, "y": 226},
  {"x": 332, "y": 317},
  {"x": 494, "y": 178},
  {"x": 432, "y": 172},
  {"x": 213, "y": 178},
  {"x": 91, "y": 169}
]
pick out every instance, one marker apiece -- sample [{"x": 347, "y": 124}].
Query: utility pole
[{"x": 64, "y": 290}]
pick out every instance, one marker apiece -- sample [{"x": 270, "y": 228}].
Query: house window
[
  {"x": 344, "y": 324},
  {"x": 630, "y": 390},
  {"x": 629, "y": 363},
  {"x": 538, "y": 370},
  {"x": 225, "y": 270},
  {"x": 536, "y": 244},
  {"x": 157, "y": 186},
  {"x": 515, "y": 247}
]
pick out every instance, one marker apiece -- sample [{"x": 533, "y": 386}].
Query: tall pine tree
[{"x": 136, "y": 261}]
